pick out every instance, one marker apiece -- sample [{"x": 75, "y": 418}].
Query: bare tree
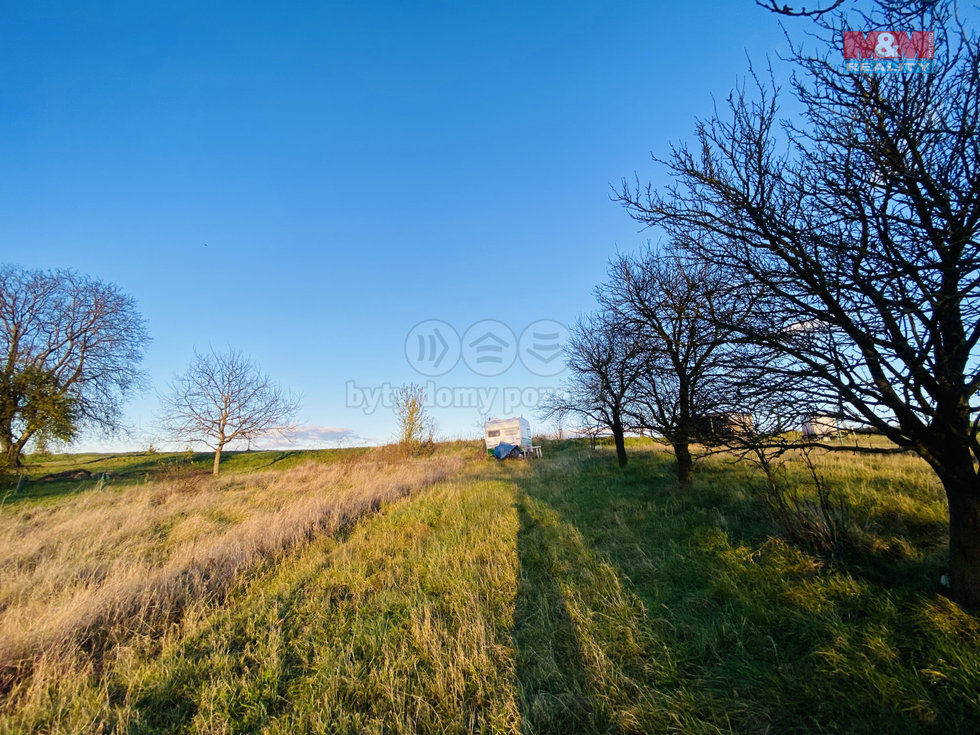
[
  {"x": 416, "y": 427},
  {"x": 605, "y": 364},
  {"x": 676, "y": 316},
  {"x": 860, "y": 221},
  {"x": 70, "y": 348},
  {"x": 900, "y": 9},
  {"x": 223, "y": 397},
  {"x": 784, "y": 9}
]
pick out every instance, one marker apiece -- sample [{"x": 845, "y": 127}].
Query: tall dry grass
[{"x": 100, "y": 568}]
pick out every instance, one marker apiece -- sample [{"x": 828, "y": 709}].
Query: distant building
[
  {"x": 820, "y": 426},
  {"x": 715, "y": 426}
]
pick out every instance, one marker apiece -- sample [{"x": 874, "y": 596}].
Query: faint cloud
[{"x": 310, "y": 436}]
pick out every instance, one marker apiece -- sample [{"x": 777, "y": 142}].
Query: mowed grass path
[{"x": 560, "y": 596}]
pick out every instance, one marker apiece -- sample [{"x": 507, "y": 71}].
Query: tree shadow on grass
[
  {"x": 552, "y": 686},
  {"x": 762, "y": 636}
]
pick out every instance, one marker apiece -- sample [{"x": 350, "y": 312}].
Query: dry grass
[
  {"x": 103, "y": 566},
  {"x": 558, "y": 596}
]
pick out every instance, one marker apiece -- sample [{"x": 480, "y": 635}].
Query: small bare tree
[
  {"x": 223, "y": 397},
  {"x": 670, "y": 313},
  {"x": 415, "y": 427},
  {"x": 605, "y": 364}
]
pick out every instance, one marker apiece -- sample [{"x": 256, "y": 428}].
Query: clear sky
[{"x": 306, "y": 182}]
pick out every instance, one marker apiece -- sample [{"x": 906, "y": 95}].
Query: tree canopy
[{"x": 70, "y": 349}]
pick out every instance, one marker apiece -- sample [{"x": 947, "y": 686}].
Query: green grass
[
  {"x": 762, "y": 637},
  {"x": 399, "y": 624},
  {"x": 565, "y": 595},
  {"x": 404, "y": 626}
]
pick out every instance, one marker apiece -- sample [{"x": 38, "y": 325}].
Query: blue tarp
[{"x": 503, "y": 451}]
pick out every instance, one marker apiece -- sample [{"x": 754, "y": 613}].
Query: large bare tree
[
  {"x": 859, "y": 218},
  {"x": 223, "y": 397},
  {"x": 70, "y": 349}
]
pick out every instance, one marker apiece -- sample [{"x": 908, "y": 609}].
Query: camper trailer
[{"x": 516, "y": 431}]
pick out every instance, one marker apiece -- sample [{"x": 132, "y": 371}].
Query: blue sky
[{"x": 306, "y": 182}]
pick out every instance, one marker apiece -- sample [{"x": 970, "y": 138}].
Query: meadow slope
[{"x": 453, "y": 594}]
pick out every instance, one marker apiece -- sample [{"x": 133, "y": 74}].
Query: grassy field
[
  {"x": 360, "y": 592},
  {"x": 143, "y": 467}
]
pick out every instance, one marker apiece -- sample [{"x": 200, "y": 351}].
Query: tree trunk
[
  {"x": 685, "y": 464},
  {"x": 682, "y": 434},
  {"x": 217, "y": 458},
  {"x": 963, "y": 496},
  {"x": 11, "y": 451},
  {"x": 952, "y": 460},
  {"x": 620, "y": 439}
]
